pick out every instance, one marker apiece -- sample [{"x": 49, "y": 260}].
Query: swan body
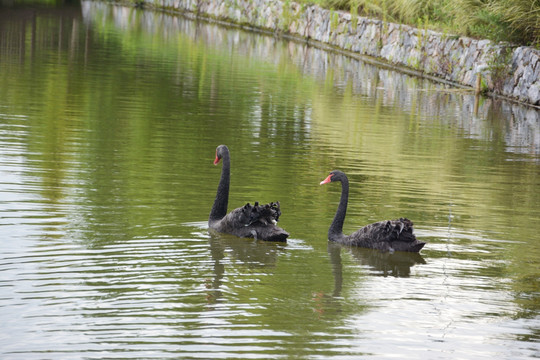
[
  {"x": 389, "y": 235},
  {"x": 252, "y": 221}
]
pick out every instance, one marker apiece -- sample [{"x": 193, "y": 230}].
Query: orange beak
[{"x": 327, "y": 180}]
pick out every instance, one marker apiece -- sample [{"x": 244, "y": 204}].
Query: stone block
[{"x": 534, "y": 94}]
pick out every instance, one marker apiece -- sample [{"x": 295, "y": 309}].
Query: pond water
[{"x": 109, "y": 120}]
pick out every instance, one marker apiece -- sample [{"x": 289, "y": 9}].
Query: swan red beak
[
  {"x": 327, "y": 180},
  {"x": 216, "y": 161}
]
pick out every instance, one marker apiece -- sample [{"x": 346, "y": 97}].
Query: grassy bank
[{"x": 516, "y": 21}]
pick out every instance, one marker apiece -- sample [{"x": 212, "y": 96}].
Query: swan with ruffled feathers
[
  {"x": 250, "y": 221},
  {"x": 388, "y": 235}
]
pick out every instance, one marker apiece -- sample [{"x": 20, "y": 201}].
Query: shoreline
[{"x": 506, "y": 71}]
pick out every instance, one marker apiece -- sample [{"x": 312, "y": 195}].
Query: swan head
[
  {"x": 221, "y": 151},
  {"x": 335, "y": 175}
]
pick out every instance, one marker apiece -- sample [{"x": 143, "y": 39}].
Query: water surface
[{"x": 109, "y": 119}]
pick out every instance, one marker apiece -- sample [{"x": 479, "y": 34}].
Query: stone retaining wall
[{"x": 513, "y": 72}]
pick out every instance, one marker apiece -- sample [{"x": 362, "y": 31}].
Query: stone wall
[{"x": 512, "y": 72}]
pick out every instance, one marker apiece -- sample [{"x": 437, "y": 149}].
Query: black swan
[
  {"x": 253, "y": 221},
  {"x": 390, "y": 235}
]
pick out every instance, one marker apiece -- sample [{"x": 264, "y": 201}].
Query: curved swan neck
[
  {"x": 219, "y": 209},
  {"x": 336, "y": 229}
]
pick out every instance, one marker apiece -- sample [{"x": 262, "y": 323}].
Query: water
[{"x": 109, "y": 119}]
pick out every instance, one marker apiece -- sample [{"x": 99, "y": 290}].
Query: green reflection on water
[{"x": 116, "y": 122}]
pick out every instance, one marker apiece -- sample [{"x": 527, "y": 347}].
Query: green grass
[{"x": 516, "y": 21}]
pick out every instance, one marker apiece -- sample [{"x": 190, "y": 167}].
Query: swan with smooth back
[
  {"x": 388, "y": 235},
  {"x": 250, "y": 221}
]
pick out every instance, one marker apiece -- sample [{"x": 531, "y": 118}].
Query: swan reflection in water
[
  {"x": 396, "y": 264},
  {"x": 226, "y": 249},
  {"x": 229, "y": 250}
]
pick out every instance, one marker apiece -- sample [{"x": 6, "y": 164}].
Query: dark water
[{"x": 109, "y": 119}]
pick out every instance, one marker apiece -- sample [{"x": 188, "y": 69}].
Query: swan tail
[
  {"x": 403, "y": 236},
  {"x": 407, "y": 246},
  {"x": 278, "y": 234},
  {"x": 418, "y": 246}
]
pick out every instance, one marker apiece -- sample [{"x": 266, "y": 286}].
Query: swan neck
[
  {"x": 219, "y": 209},
  {"x": 336, "y": 229}
]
